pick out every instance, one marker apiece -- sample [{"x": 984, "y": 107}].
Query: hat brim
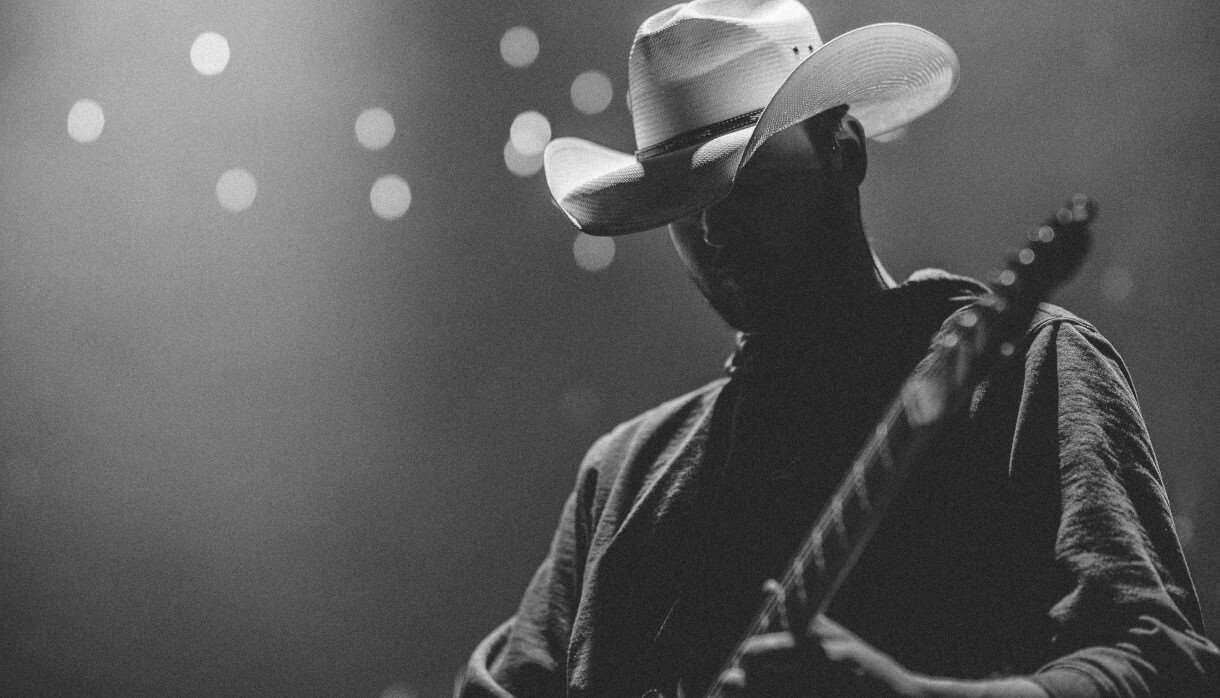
[{"x": 888, "y": 74}]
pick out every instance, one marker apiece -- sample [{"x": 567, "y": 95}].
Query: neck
[
  {"x": 851, "y": 274},
  {"x": 851, "y": 269}
]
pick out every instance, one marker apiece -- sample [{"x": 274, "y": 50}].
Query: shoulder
[
  {"x": 1047, "y": 316},
  {"x": 651, "y": 430},
  {"x": 1050, "y": 314},
  {"x": 620, "y": 463},
  {"x": 1061, "y": 341},
  {"x": 1064, "y": 366},
  {"x": 1076, "y": 346}
]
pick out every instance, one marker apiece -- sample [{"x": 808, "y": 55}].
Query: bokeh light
[
  {"x": 374, "y": 128},
  {"x": 592, "y": 92},
  {"x": 210, "y": 53},
  {"x": 520, "y": 164},
  {"x": 1117, "y": 283},
  {"x": 593, "y": 252},
  {"x": 530, "y": 133},
  {"x": 519, "y": 47},
  {"x": 236, "y": 189},
  {"x": 390, "y": 197},
  {"x": 86, "y": 121}
]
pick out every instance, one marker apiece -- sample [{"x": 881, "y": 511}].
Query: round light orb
[
  {"x": 86, "y": 121},
  {"x": 592, "y": 92},
  {"x": 390, "y": 197},
  {"x": 236, "y": 190},
  {"x": 521, "y": 165},
  {"x": 530, "y": 132},
  {"x": 374, "y": 128},
  {"x": 593, "y": 252},
  {"x": 519, "y": 47},
  {"x": 210, "y": 53}
]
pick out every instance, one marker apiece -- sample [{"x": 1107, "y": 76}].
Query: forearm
[{"x": 936, "y": 687}]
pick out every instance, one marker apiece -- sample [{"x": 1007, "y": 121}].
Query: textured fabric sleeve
[
  {"x": 1130, "y": 623},
  {"x": 526, "y": 655}
]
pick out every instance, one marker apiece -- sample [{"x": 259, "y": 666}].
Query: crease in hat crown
[{"x": 712, "y": 61}]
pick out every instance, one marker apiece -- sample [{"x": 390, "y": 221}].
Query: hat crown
[{"x": 703, "y": 62}]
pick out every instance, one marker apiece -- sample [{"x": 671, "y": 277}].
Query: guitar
[{"x": 962, "y": 355}]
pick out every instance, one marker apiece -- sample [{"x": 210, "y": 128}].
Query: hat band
[{"x": 699, "y": 135}]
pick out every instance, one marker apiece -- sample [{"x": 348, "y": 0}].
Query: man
[{"x": 1033, "y": 554}]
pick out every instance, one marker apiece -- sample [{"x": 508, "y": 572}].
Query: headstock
[
  {"x": 1052, "y": 254},
  {"x": 992, "y": 327}
]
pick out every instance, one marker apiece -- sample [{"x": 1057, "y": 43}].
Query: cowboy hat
[{"x": 710, "y": 81}]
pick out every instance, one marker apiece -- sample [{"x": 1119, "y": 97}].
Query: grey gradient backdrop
[{"x": 303, "y": 451}]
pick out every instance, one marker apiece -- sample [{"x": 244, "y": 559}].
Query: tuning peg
[
  {"x": 1043, "y": 233},
  {"x": 1083, "y": 208}
]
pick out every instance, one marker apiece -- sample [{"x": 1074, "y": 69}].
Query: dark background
[{"x": 300, "y": 450}]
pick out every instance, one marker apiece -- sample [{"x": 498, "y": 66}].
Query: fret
[
  {"x": 874, "y": 478},
  {"x": 819, "y": 560},
  {"x": 833, "y": 547},
  {"x": 836, "y": 520},
  {"x": 884, "y": 457},
  {"x": 859, "y": 491},
  {"x": 891, "y": 439},
  {"x": 851, "y": 515},
  {"x": 803, "y": 572}
]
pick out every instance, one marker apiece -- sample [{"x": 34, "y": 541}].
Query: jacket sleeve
[
  {"x": 527, "y": 655},
  {"x": 1130, "y": 624}
]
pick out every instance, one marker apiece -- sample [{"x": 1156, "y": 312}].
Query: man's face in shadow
[{"x": 768, "y": 249}]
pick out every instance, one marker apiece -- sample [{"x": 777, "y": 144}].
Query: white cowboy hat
[{"x": 710, "y": 81}]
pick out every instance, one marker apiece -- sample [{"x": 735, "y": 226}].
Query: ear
[
  {"x": 853, "y": 151},
  {"x": 838, "y": 141}
]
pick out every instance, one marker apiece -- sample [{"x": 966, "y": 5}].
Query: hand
[{"x": 826, "y": 660}]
